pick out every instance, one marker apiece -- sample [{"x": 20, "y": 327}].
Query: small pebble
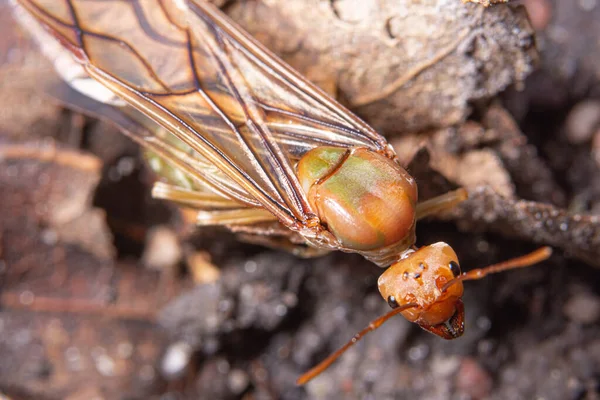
[
  {"x": 125, "y": 350},
  {"x": 418, "y": 352},
  {"x": 163, "y": 250},
  {"x": 583, "y": 121},
  {"x": 583, "y": 308},
  {"x": 540, "y": 13},
  {"x": 238, "y": 381},
  {"x": 473, "y": 380},
  {"x": 105, "y": 365},
  {"x": 201, "y": 268},
  {"x": 176, "y": 359}
]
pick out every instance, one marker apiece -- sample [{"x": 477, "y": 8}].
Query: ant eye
[
  {"x": 392, "y": 302},
  {"x": 455, "y": 268}
]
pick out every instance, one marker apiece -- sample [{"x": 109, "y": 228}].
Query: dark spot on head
[
  {"x": 405, "y": 276},
  {"x": 392, "y": 302},
  {"x": 417, "y": 275},
  {"x": 455, "y": 268},
  {"x": 423, "y": 266}
]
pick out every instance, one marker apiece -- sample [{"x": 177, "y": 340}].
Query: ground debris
[
  {"x": 488, "y": 209},
  {"x": 487, "y": 3},
  {"x": 578, "y": 235},
  {"x": 570, "y": 55},
  {"x": 53, "y": 189},
  {"x": 259, "y": 297},
  {"x": 71, "y": 320}
]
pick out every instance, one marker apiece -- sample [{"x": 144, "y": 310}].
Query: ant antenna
[
  {"x": 323, "y": 365},
  {"x": 519, "y": 262}
]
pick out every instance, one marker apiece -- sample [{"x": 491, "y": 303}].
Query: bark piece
[
  {"x": 521, "y": 169},
  {"x": 402, "y": 65},
  {"x": 486, "y": 3},
  {"x": 23, "y": 109},
  {"x": 486, "y": 210}
]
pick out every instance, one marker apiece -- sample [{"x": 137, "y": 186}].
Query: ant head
[
  {"x": 420, "y": 278},
  {"x": 426, "y": 287}
]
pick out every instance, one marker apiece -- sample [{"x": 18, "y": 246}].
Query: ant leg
[
  {"x": 198, "y": 199},
  {"x": 282, "y": 243},
  {"x": 441, "y": 203},
  {"x": 212, "y": 209},
  {"x": 241, "y": 216}
]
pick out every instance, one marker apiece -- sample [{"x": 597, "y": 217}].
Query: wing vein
[
  {"x": 263, "y": 57},
  {"x": 138, "y": 99},
  {"x": 242, "y": 140},
  {"x": 80, "y": 33},
  {"x": 255, "y": 123}
]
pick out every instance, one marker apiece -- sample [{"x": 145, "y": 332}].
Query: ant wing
[
  {"x": 221, "y": 96},
  {"x": 209, "y": 206},
  {"x": 176, "y": 164}
]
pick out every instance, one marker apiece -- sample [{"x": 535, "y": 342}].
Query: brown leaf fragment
[
  {"x": 89, "y": 231},
  {"x": 402, "y": 65},
  {"x": 483, "y": 167},
  {"x": 163, "y": 250},
  {"x": 56, "y": 186}
]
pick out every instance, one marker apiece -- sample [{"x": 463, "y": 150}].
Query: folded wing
[{"x": 229, "y": 101}]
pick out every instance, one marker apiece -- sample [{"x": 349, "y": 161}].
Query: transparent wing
[{"x": 231, "y": 102}]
